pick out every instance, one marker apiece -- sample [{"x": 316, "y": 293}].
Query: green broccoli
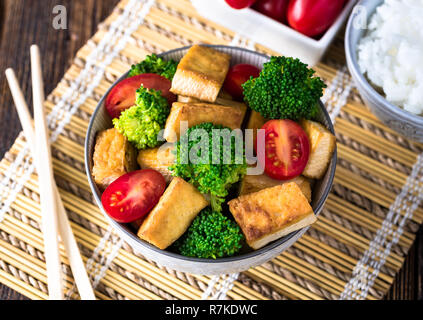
[
  {"x": 211, "y": 235},
  {"x": 155, "y": 64},
  {"x": 210, "y": 177},
  {"x": 285, "y": 89},
  {"x": 142, "y": 122}
]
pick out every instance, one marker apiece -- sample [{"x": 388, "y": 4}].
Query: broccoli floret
[
  {"x": 285, "y": 89},
  {"x": 218, "y": 172},
  {"x": 211, "y": 235},
  {"x": 142, "y": 122},
  {"x": 155, "y": 64}
]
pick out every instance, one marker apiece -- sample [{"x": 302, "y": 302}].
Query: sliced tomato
[
  {"x": 237, "y": 75},
  {"x": 287, "y": 149},
  {"x": 133, "y": 195},
  {"x": 122, "y": 96}
]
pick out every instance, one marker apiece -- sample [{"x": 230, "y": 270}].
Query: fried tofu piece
[
  {"x": 113, "y": 157},
  {"x": 224, "y": 94},
  {"x": 201, "y": 73},
  {"x": 219, "y": 100},
  {"x": 322, "y": 145},
  {"x": 197, "y": 113},
  {"x": 255, "y": 122},
  {"x": 254, "y": 183},
  {"x": 158, "y": 159},
  {"x": 230, "y": 103},
  {"x": 185, "y": 99},
  {"x": 271, "y": 213},
  {"x": 173, "y": 214}
]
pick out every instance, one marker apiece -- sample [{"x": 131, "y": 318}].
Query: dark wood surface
[{"x": 24, "y": 22}]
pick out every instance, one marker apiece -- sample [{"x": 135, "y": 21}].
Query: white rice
[{"x": 391, "y": 52}]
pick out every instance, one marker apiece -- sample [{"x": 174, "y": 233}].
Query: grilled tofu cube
[
  {"x": 113, "y": 157},
  {"x": 271, "y": 213},
  {"x": 197, "y": 113},
  {"x": 224, "y": 95},
  {"x": 255, "y": 122},
  {"x": 201, "y": 73},
  {"x": 158, "y": 159},
  {"x": 219, "y": 100},
  {"x": 322, "y": 145},
  {"x": 173, "y": 214},
  {"x": 230, "y": 103},
  {"x": 254, "y": 183},
  {"x": 184, "y": 99}
]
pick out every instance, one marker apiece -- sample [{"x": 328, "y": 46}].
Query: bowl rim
[
  {"x": 352, "y": 62},
  {"x": 245, "y": 256}
]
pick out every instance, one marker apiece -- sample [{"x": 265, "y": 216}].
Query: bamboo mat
[{"x": 353, "y": 251}]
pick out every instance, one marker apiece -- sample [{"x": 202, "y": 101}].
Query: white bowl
[
  {"x": 402, "y": 121},
  {"x": 100, "y": 120},
  {"x": 270, "y": 33}
]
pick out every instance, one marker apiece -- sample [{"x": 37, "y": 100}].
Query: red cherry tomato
[
  {"x": 122, "y": 96},
  {"x": 313, "y": 17},
  {"x": 275, "y": 9},
  {"x": 287, "y": 149},
  {"x": 240, "y": 4},
  {"x": 236, "y": 76},
  {"x": 133, "y": 195}
]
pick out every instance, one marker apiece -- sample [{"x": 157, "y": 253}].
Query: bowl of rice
[{"x": 384, "y": 51}]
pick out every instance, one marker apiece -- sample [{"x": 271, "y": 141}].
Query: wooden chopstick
[
  {"x": 76, "y": 263},
  {"x": 45, "y": 176}
]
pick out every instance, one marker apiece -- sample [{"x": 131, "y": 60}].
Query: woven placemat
[{"x": 353, "y": 251}]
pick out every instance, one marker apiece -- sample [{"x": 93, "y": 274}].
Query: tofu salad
[{"x": 210, "y": 160}]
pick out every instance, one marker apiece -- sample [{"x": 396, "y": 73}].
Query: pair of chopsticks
[{"x": 54, "y": 217}]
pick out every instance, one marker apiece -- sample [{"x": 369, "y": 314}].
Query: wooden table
[{"x": 18, "y": 21}]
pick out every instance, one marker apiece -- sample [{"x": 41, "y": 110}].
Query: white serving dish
[
  {"x": 274, "y": 35},
  {"x": 100, "y": 120}
]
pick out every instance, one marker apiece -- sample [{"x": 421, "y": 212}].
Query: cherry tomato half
[
  {"x": 313, "y": 17},
  {"x": 275, "y": 9},
  {"x": 240, "y": 4},
  {"x": 122, "y": 96},
  {"x": 236, "y": 76},
  {"x": 133, "y": 195},
  {"x": 287, "y": 149}
]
